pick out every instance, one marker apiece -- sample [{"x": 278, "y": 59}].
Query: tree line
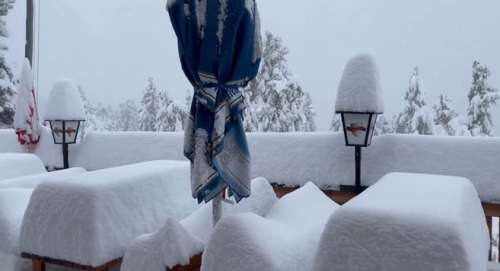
[{"x": 418, "y": 117}]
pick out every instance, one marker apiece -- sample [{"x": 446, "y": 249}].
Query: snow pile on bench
[
  {"x": 286, "y": 239},
  {"x": 408, "y": 222},
  {"x": 14, "y": 165},
  {"x": 91, "y": 218},
  {"x": 33, "y": 181},
  {"x": 177, "y": 242}
]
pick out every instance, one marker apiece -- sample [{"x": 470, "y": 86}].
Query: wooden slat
[
  {"x": 194, "y": 265},
  {"x": 38, "y": 265},
  {"x": 39, "y": 260}
]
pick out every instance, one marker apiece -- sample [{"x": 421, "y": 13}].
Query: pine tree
[
  {"x": 482, "y": 98},
  {"x": 443, "y": 116},
  {"x": 383, "y": 126},
  {"x": 170, "y": 115},
  {"x": 150, "y": 106},
  {"x": 274, "y": 103},
  {"x": 6, "y": 76},
  {"x": 416, "y": 117},
  {"x": 127, "y": 117}
]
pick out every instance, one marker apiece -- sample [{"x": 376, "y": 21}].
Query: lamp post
[
  {"x": 359, "y": 101},
  {"x": 65, "y": 113}
]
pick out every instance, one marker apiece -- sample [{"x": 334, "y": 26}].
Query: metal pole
[
  {"x": 217, "y": 208},
  {"x": 28, "y": 49},
  {"x": 357, "y": 156},
  {"x": 65, "y": 147}
]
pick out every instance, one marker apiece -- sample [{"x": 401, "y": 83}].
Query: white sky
[{"x": 112, "y": 46}]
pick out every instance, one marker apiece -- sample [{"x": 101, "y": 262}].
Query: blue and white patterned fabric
[{"x": 220, "y": 50}]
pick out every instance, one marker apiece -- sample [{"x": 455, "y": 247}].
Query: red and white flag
[{"x": 26, "y": 120}]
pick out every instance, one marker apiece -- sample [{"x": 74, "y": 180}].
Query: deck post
[{"x": 38, "y": 265}]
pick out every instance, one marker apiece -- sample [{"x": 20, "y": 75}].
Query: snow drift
[
  {"x": 408, "y": 222},
  {"x": 286, "y": 239},
  {"x": 90, "y": 218},
  {"x": 177, "y": 242},
  {"x": 17, "y": 164}
]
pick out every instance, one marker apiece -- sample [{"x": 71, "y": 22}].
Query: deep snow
[{"x": 14, "y": 165}]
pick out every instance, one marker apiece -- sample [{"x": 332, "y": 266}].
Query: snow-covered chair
[
  {"x": 177, "y": 242},
  {"x": 19, "y": 164},
  {"x": 408, "y": 222},
  {"x": 87, "y": 221},
  {"x": 286, "y": 239}
]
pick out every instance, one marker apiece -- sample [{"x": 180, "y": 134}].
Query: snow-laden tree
[
  {"x": 336, "y": 124},
  {"x": 446, "y": 120},
  {"x": 99, "y": 117},
  {"x": 171, "y": 115},
  {"x": 275, "y": 103},
  {"x": 482, "y": 99},
  {"x": 7, "y": 88},
  {"x": 126, "y": 117},
  {"x": 384, "y": 126},
  {"x": 150, "y": 107},
  {"x": 417, "y": 116}
]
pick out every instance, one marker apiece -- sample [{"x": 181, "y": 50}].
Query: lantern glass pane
[
  {"x": 372, "y": 128},
  {"x": 356, "y": 128},
  {"x": 57, "y": 130},
  {"x": 72, "y": 130}
]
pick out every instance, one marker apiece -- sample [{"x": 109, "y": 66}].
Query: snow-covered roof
[
  {"x": 359, "y": 89},
  {"x": 65, "y": 102}
]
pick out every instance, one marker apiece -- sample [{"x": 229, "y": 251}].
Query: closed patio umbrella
[{"x": 220, "y": 49}]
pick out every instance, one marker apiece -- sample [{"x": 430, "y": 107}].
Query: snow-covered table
[
  {"x": 14, "y": 165},
  {"x": 88, "y": 220},
  {"x": 409, "y": 222}
]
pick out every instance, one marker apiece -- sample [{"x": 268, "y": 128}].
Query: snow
[
  {"x": 99, "y": 213},
  {"x": 64, "y": 102},
  {"x": 33, "y": 181},
  {"x": 359, "y": 89},
  {"x": 408, "y": 222},
  {"x": 177, "y": 242},
  {"x": 19, "y": 164},
  {"x": 286, "y": 239},
  {"x": 170, "y": 246},
  {"x": 13, "y": 203}
]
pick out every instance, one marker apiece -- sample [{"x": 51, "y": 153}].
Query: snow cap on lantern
[
  {"x": 359, "y": 100},
  {"x": 359, "y": 89},
  {"x": 64, "y": 102}
]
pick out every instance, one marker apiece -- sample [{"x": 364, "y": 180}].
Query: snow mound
[
  {"x": 91, "y": 218},
  {"x": 14, "y": 165},
  {"x": 65, "y": 102},
  {"x": 177, "y": 242},
  {"x": 170, "y": 246},
  {"x": 286, "y": 239},
  {"x": 359, "y": 89},
  {"x": 13, "y": 203},
  {"x": 32, "y": 181},
  {"x": 408, "y": 222}
]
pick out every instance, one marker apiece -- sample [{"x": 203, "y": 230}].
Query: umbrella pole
[{"x": 217, "y": 208}]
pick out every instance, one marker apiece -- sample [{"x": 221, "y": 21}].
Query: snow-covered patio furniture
[
  {"x": 87, "y": 221},
  {"x": 178, "y": 242},
  {"x": 15, "y": 194},
  {"x": 286, "y": 239},
  {"x": 19, "y": 164},
  {"x": 408, "y": 222}
]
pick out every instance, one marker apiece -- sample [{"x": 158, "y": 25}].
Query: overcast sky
[{"x": 112, "y": 46}]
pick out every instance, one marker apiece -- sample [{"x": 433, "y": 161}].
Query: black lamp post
[
  {"x": 358, "y": 132},
  {"x": 65, "y": 113},
  {"x": 359, "y": 101},
  {"x": 65, "y": 132}
]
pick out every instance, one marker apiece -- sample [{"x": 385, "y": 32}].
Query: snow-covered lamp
[
  {"x": 65, "y": 112},
  {"x": 359, "y": 101}
]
